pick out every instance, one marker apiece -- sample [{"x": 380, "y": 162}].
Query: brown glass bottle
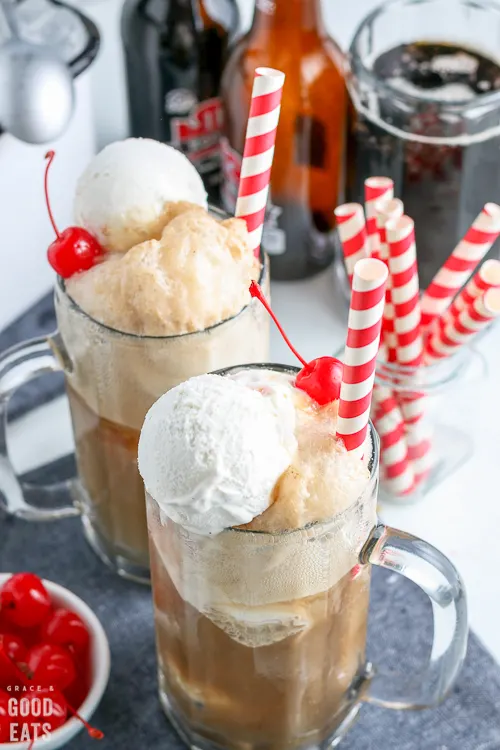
[{"x": 307, "y": 169}]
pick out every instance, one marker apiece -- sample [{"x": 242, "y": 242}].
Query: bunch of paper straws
[{"x": 417, "y": 332}]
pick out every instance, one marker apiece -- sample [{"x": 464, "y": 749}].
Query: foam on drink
[{"x": 194, "y": 276}]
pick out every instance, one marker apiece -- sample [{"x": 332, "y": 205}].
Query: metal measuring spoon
[{"x": 36, "y": 87}]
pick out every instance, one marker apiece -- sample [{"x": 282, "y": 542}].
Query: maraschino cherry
[
  {"x": 321, "y": 377},
  {"x": 14, "y": 647},
  {"x": 12, "y": 652},
  {"x": 65, "y": 628},
  {"x": 74, "y": 249},
  {"x": 58, "y": 708},
  {"x": 24, "y": 600},
  {"x": 51, "y": 666}
]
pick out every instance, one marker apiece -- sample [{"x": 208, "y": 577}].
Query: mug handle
[
  {"x": 423, "y": 564},
  {"x": 19, "y": 365}
]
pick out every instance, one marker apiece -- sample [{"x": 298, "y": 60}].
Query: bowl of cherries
[{"x": 54, "y": 664}]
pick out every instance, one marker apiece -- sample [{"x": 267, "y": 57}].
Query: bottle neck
[{"x": 299, "y": 15}]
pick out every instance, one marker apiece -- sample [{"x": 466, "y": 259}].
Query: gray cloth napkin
[{"x": 400, "y": 635}]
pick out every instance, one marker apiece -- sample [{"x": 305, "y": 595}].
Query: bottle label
[
  {"x": 273, "y": 237},
  {"x": 195, "y": 129}
]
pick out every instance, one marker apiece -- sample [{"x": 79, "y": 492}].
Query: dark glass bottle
[{"x": 175, "y": 52}]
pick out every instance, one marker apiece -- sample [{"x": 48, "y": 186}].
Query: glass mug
[
  {"x": 293, "y": 671},
  {"x": 440, "y": 147},
  {"x": 112, "y": 379}
]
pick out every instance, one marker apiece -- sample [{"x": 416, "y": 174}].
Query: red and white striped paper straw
[
  {"x": 388, "y": 210},
  {"x": 389, "y": 423},
  {"x": 461, "y": 263},
  {"x": 409, "y": 340},
  {"x": 351, "y": 227},
  {"x": 376, "y": 189},
  {"x": 360, "y": 357},
  {"x": 487, "y": 277},
  {"x": 445, "y": 342},
  {"x": 259, "y": 151},
  {"x": 405, "y": 290}
]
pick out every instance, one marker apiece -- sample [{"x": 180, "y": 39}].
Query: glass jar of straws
[
  {"x": 425, "y": 341},
  {"x": 420, "y": 414}
]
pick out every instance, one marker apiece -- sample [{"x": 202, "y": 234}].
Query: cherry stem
[
  {"x": 50, "y": 158},
  {"x": 256, "y": 291},
  {"x": 94, "y": 733}
]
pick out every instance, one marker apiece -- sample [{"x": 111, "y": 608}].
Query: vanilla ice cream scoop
[
  {"x": 123, "y": 195},
  {"x": 211, "y": 451}
]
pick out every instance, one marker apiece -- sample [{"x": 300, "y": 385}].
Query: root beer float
[
  {"x": 261, "y": 492},
  {"x": 158, "y": 294}
]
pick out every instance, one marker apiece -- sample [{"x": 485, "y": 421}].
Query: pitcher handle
[
  {"x": 19, "y": 365},
  {"x": 427, "y": 567}
]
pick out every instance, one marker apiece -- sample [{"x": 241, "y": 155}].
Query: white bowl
[{"x": 100, "y": 664}]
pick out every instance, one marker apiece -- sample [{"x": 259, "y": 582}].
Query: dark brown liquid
[
  {"x": 106, "y": 454},
  {"x": 291, "y": 693},
  {"x": 443, "y": 186}
]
